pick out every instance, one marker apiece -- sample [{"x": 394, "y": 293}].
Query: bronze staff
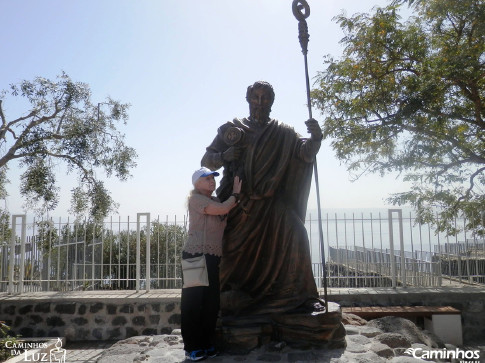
[{"x": 301, "y": 10}]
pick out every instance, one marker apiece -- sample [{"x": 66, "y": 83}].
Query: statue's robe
[{"x": 266, "y": 264}]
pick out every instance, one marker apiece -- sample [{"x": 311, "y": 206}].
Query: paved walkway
[
  {"x": 90, "y": 352},
  {"x": 86, "y": 352},
  {"x": 170, "y": 294}
]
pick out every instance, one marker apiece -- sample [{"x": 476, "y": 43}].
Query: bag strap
[{"x": 205, "y": 229}]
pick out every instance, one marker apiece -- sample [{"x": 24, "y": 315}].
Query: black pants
[{"x": 200, "y": 308}]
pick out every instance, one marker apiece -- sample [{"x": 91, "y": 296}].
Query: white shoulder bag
[{"x": 195, "y": 272}]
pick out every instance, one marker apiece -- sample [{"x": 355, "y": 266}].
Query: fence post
[
  {"x": 22, "y": 252},
  {"x": 138, "y": 252},
  {"x": 391, "y": 243},
  {"x": 391, "y": 246},
  {"x": 11, "y": 265},
  {"x": 403, "y": 256},
  {"x": 11, "y": 259},
  {"x": 93, "y": 254},
  {"x": 148, "y": 267},
  {"x": 137, "y": 277}
]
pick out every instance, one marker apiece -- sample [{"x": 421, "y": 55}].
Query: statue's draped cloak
[{"x": 266, "y": 263}]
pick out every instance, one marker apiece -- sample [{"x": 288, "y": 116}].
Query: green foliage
[
  {"x": 408, "y": 96},
  {"x": 113, "y": 253},
  {"x": 5, "y": 230},
  {"x": 38, "y": 184},
  {"x": 3, "y": 182},
  {"x": 5, "y": 336},
  {"x": 166, "y": 242},
  {"x": 47, "y": 235},
  {"x": 63, "y": 125}
]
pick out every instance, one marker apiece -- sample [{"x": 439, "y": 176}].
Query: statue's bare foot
[
  {"x": 311, "y": 306},
  {"x": 318, "y": 306}
]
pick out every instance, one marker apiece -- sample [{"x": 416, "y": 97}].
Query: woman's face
[{"x": 206, "y": 184}]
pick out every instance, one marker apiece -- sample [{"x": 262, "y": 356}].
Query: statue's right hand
[{"x": 231, "y": 154}]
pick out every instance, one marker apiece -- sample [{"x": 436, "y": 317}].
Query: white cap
[{"x": 201, "y": 173}]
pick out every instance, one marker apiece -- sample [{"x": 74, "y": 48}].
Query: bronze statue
[{"x": 266, "y": 264}]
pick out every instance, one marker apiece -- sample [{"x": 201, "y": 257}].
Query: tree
[
  {"x": 409, "y": 96},
  {"x": 5, "y": 230},
  {"x": 63, "y": 125},
  {"x": 71, "y": 251},
  {"x": 119, "y": 256}
]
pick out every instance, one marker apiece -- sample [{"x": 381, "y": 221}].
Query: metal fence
[
  {"x": 60, "y": 255},
  {"x": 392, "y": 249},
  {"x": 369, "y": 250}
]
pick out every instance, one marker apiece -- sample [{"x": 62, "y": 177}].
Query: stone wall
[
  {"x": 103, "y": 315},
  {"x": 91, "y": 320}
]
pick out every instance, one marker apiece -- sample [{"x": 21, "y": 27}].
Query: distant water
[{"x": 369, "y": 228}]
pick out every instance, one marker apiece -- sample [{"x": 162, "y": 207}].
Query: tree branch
[
  {"x": 13, "y": 133},
  {"x": 444, "y": 166},
  {"x": 2, "y": 116},
  {"x": 20, "y": 119},
  {"x": 8, "y": 127},
  {"x": 438, "y": 136},
  {"x": 34, "y": 123},
  {"x": 87, "y": 173},
  {"x": 472, "y": 185},
  {"x": 54, "y": 155},
  {"x": 474, "y": 157},
  {"x": 20, "y": 143}
]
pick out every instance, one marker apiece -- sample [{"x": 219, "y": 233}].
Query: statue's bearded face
[{"x": 260, "y": 101}]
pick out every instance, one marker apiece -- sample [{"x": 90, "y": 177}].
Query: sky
[{"x": 183, "y": 66}]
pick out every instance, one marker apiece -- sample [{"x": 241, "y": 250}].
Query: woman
[{"x": 200, "y": 304}]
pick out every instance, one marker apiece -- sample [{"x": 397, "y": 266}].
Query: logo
[
  {"x": 469, "y": 356},
  {"x": 37, "y": 351},
  {"x": 58, "y": 354}
]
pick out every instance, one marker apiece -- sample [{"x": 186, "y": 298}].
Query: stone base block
[
  {"x": 239, "y": 335},
  {"x": 241, "y": 340}
]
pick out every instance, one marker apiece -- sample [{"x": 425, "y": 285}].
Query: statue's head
[{"x": 260, "y": 97}]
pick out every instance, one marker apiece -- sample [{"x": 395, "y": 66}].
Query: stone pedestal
[{"x": 239, "y": 335}]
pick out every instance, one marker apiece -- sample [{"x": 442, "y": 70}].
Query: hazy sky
[{"x": 184, "y": 66}]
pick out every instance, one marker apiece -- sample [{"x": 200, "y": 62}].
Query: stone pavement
[
  {"x": 384, "y": 340},
  {"x": 86, "y": 352}
]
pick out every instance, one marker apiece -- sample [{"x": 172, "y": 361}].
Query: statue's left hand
[{"x": 314, "y": 129}]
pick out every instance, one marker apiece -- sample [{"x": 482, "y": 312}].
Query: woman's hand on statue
[
  {"x": 314, "y": 129},
  {"x": 231, "y": 154},
  {"x": 236, "y": 187}
]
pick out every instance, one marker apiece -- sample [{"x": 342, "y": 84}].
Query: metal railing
[
  {"x": 392, "y": 249},
  {"x": 53, "y": 255},
  {"x": 363, "y": 251}
]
